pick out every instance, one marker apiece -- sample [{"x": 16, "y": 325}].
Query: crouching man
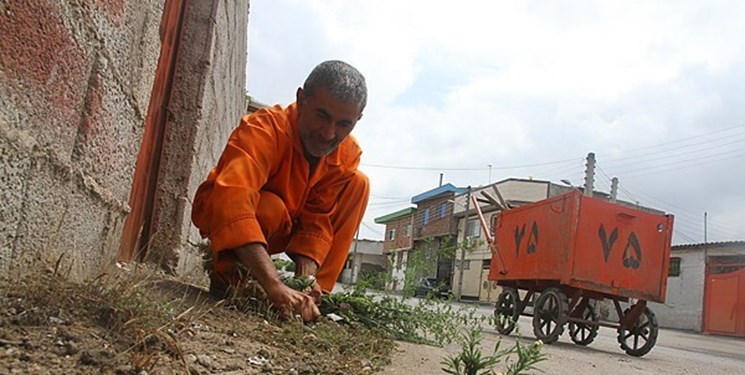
[{"x": 287, "y": 181}]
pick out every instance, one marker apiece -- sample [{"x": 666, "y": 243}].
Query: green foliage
[
  {"x": 418, "y": 265},
  {"x": 527, "y": 357},
  {"x": 284, "y": 264},
  {"x": 429, "y": 321},
  {"x": 373, "y": 280},
  {"x": 471, "y": 361},
  {"x": 301, "y": 283}
]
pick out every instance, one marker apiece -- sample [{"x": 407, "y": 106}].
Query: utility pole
[
  {"x": 354, "y": 256},
  {"x": 706, "y": 219},
  {"x": 614, "y": 189},
  {"x": 462, "y": 245},
  {"x": 489, "y": 165},
  {"x": 590, "y": 174}
]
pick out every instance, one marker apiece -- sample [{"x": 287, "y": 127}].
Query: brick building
[{"x": 422, "y": 237}]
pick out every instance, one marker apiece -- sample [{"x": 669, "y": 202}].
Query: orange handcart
[{"x": 563, "y": 255}]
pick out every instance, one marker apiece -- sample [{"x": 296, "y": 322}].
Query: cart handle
[
  {"x": 487, "y": 234},
  {"x": 476, "y": 206}
]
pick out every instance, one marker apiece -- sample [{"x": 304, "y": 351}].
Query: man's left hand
[{"x": 305, "y": 266}]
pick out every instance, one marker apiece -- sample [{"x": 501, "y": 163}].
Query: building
[
  {"x": 434, "y": 234},
  {"x": 365, "y": 260},
  {"x": 420, "y": 241},
  {"x": 397, "y": 243},
  {"x": 705, "y": 289},
  {"x": 473, "y": 252}
]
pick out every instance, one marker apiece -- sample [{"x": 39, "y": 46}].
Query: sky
[{"x": 481, "y": 91}]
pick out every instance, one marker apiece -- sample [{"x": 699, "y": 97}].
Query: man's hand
[
  {"x": 305, "y": 266},
  {"x": 288, "y": 300},
  {"x": 255, "y": 258}
]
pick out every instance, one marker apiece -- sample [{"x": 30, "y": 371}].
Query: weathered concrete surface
[
  {"x": 676, "y": 352},
  {"x": 75, "y": 80},
  {"x": 684, "y": 302},
  {"x": 207, "y": 102}
]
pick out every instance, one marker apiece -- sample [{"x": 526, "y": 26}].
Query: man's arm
[{"x": 255, "y": 258}]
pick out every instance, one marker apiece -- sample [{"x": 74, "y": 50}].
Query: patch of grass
[
  {"x": 422, "y": 321},
  {"x": 471, "y": 360}
]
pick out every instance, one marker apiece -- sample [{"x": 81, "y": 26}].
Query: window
[
  {"x": 466, "y": 264},
  {"x": 443, "y": 209},
  {"x": 473, "y": 228},
  {"x": 674, "y": 269},
  {"x": 391, "y": 234},
  {"x": 486, "y": 264},
  {"x": 407, "y": 231},
  {"x": 425, "y": 217}
]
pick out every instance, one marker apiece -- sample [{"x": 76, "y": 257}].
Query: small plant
[
  {"x": 430, "y": 321},
  {"x": 471, "y": 361}
]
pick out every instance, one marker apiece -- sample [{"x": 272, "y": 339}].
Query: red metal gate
[
  {"x": 137, "y": 226},
  {"x": 724, "y": 306}
]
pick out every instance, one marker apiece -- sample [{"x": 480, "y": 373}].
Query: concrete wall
[
  {"x": 369, "y": 257},
  {"x": 684, "y": 302},
  {"x": 207, "y": 102},
  {"x": 522, "y": 190},
  {"x": 75, "y": 81},
  {"x": 75, "y": 86},
  {"x": 685, "y": 294},
  {"x": 397, "y": 260}
]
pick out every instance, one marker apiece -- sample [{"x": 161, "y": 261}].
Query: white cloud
[{"x": 463, "y": 85}]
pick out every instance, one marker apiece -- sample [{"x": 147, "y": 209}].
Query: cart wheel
[
  {"x": 505, "y": 311},
  {"x": 584, "y": 333},
  {"x": 549, "y": 315},
  {"x": 640, "y": 339}
]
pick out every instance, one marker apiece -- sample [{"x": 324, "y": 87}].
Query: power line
[
  {"x": 687, "y": 217},
  {"x": 634, "y": 175},
  {"x": 682, "y": 148},
  {"x": 676, "y": 161},
  {"x": 686, "y": 138},
  {"x": 389, "y": 203},
  {"x": 656, "y": 146},
  {"x": 383, "y": 197},
  {"x": 374, "y": 230},
  {"x": 685, "y": 237},
  {"x": 464, "y": 169}
]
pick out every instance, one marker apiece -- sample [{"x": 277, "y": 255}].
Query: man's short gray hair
[{"x": 342, "y": 80}]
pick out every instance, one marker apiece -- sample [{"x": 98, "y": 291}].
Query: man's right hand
[
  {"x": 285, "y": 299},
  {"x": 290, "y": 301}
]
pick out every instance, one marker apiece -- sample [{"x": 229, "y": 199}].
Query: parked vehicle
[{"x": 431, "y": 287}]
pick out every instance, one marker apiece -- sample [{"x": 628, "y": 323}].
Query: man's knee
[{"x": 272, "y": 215}]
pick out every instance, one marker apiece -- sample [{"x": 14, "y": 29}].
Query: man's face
[{"x": 324, "y": 121}]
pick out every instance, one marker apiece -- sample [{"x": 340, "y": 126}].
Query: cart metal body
[{"x": 569, "y": 251}]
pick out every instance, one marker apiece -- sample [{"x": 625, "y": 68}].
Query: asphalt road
[{"x": 676, "y": 352}]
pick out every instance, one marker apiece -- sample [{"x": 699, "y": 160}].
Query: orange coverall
[{"x": 262, "y": 192}]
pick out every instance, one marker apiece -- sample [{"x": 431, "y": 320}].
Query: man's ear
[
  {"x": 359, "y": 118},
  {"x": 300, "y": 96}
]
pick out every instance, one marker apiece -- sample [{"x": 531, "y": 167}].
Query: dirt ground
[{"x": 145, "y": 324}]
